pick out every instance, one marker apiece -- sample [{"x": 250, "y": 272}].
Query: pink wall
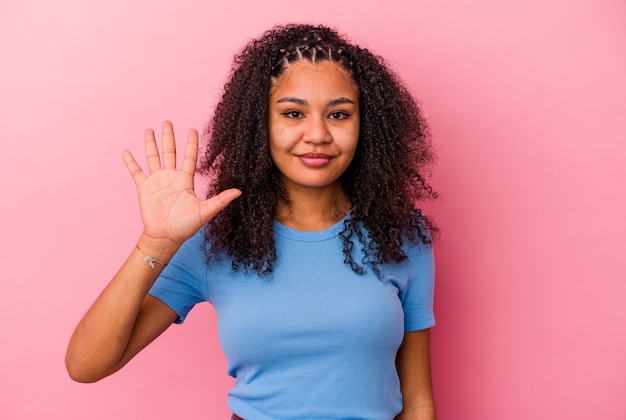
[{"x": 528, "y": 108}]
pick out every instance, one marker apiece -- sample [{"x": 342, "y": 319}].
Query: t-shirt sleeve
[
  {"x": 182, "y": 283},
  {"x": 417, "y": 296}
]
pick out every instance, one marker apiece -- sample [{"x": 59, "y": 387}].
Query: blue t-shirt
[{"x": 313, "y": 340}]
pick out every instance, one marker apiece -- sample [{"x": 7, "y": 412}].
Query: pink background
[{"x": 527, "y": 102}]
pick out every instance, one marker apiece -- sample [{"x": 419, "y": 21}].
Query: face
[{"x": 313, "y": 124}]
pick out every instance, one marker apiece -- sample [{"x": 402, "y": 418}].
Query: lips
[{"x": 315, "y": 159}]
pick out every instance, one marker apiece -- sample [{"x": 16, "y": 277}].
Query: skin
[
  {"x": 413, "y": 365},
  {"x": 314, "y": 128},
  {"x": 314, "y": 131},
  {"x": 124, "y": 319}
]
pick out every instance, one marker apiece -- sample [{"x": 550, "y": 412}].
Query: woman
[{"x": 310, "y": 245}]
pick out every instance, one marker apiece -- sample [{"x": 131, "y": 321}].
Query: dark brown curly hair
[{"x": 384, "y": 183}]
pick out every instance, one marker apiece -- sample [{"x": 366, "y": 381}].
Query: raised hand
[{"x": 170, "y": 210}]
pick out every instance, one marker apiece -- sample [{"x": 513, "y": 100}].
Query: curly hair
[{"x": 384, "y": 182}]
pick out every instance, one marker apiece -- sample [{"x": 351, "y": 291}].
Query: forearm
[{"x": 100, "y": 342}]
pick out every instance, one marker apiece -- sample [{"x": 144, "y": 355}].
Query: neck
[{"x": 313, "y": 209}]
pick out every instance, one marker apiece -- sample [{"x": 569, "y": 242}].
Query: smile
[{"x": 315, "y": 159}]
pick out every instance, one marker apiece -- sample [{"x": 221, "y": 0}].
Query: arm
[
  {"x": 124, "y": 319},
  {"x": 413, "y": 364},
  {"x": 120, "y": 323}
]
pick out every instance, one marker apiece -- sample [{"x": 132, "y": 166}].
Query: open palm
[{"x": 169, "y": 207}]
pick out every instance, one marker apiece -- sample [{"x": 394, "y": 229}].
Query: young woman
[{"x": 311, "y": 245}]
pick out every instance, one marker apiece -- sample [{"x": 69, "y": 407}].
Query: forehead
[{"x": 306, "y": 76}]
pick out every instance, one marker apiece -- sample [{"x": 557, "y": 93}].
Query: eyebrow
[{"x": 298, "y": 101}]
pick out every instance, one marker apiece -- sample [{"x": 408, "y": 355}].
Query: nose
[{"x": 316, "y": 130}]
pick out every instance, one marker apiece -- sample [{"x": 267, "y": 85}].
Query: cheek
[
  {"x": 282, "y": 139},
  {"x": 278, "y": 148},
  {"x": 274, "y": 155},
  {"x": 350, "y": 141},
  {"x": 274, "y": 139}
]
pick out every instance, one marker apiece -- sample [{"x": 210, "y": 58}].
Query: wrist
[{"x": 161, "y": 250}]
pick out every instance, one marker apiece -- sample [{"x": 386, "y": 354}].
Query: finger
[
  {"x": 191, "y": 153},
  {"x": 133, "y": 167},
  {"x": 152, "y": 152},
  {"x": 169, "y": 145},
  {"x": 215, "y": 204}
]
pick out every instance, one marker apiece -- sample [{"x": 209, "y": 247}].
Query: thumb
[{"x": 217, "y": 203}]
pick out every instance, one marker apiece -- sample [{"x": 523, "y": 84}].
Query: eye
[
  {"x": 293, "y": 114},
  {"x": 338, "y": 115}
]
